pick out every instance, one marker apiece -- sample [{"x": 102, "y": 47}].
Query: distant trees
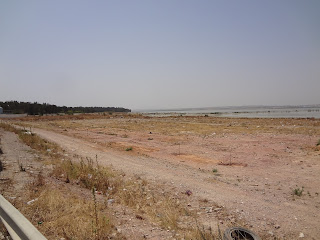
[{"x": 45, "y": 108}]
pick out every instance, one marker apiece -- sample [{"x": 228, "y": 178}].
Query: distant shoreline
[{"x": 305, "y": 111}]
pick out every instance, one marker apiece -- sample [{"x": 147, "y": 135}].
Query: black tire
[{"x": 239, "y": 233}]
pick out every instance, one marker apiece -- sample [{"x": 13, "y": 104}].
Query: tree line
[{"x": 36, "y": 108}]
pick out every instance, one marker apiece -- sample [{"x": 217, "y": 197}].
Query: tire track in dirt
[{"x": 262, "y": 215}]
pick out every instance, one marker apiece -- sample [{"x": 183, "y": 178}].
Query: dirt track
[{"x": 259, "y": 192}]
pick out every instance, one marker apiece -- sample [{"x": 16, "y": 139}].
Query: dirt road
[{"x": 265, "y": 212}]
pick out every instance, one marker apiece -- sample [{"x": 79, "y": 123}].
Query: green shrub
[{"x": 298, "y": 191}]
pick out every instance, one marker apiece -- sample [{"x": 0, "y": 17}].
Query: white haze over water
[{"x": 308, "y": 111}]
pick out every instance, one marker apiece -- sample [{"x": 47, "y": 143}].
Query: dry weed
[
  {"x": 135, "y": 193},
  {"x": 60, "y": 214}
]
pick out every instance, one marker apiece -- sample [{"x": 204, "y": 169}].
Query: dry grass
[
  {"x": 185, "y": 125},
  {"x": 69, "y": 117},
  {"x": 162, "y": 208},
  {"x": 34, "y": 141},
  {"x": 8, "y": 127},
  {"x": 60, "y": 214},
  {"x": 39, "y": 144},
  {"x": 203, "y": 233},
  {"x": 87, "y": 175},
  {"x": 134, "y": 193}
]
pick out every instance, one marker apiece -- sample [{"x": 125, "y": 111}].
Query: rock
[
  {"x": 139, "y": 217},
  {"x": 110, "y": 201},
  {"x": 271, "y": 233},
  {"x": 31, "y": 201},
  {"x": 209, "y": 209},
  {"x": 301, "y": 235},
  {"x": 276, "y": 226},
  {"x": 188, "y": 192}
]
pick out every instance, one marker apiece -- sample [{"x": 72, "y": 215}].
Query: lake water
[{"x": 310, "y": 111}]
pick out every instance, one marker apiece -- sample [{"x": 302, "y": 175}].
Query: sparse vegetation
[
  {"x": 298, "y": 191},
  {"x": 33, "y": 140},
  {"x": 134, "y": 193},
  {"x": 203, "y": 233},
  {"x": 22, "y": 169},
  {"x": 8, "y": 127},
  {"x": 214, "y": 170},
  {"x": 129, "y": 149},
  {"x": 85, "y": 174},
  {"x": 96, "y": 223},
  {"x": 318, "y": 143},
  {"x": 60, "y": 214}
]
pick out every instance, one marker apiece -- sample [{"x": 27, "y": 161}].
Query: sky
[{"x": 147, "y": 54}]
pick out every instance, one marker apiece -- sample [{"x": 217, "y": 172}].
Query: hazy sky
[{"x": 160, "y": 54}]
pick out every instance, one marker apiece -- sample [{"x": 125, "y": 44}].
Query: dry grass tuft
[
  {"x": 87, "y": 175},
  {"x": 135, "y": 193},
  {"x": 8, "y": 127},
  {"x": 34, "y": 141},
  {"x": 39, "y": 144},
  {"x": 203, "y": 233},
  {"x": 60, "y": 214}
]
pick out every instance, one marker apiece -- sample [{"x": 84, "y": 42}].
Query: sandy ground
[{"x": 258, "y": 163}]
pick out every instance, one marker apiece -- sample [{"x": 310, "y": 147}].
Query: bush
[{"x": 298, "y": 191}]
